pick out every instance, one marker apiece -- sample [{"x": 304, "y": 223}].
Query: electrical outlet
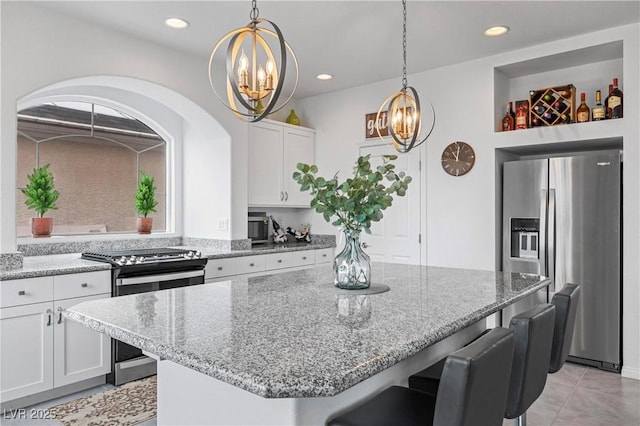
[{"x": 223, "y": 224}]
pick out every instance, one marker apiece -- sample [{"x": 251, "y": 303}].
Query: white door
[
  {"x": 299, "y": 147},
  {"x": 79, "y": 352},
  {"x": 265, "y": 165},
  {"x": 26, "y": 350},
  {"x": 396, "y": 238}
]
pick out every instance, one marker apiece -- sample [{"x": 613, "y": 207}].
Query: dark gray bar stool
[
  {"x": 473, "y": 391},
  {"x": 533, "y": 332},
  {"x": 566, "y": 303}
]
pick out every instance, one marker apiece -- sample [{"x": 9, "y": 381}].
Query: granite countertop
[
  {"x": 294, "y": 334},
  {"x": 58, "y": 264}
]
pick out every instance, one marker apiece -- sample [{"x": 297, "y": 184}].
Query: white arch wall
[{"x": 42, "y": 49}]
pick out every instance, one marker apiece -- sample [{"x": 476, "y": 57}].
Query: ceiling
[{"x": 360, "y": 42}]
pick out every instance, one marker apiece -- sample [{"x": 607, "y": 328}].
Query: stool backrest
[
  {"x": 533, "y": 334},
  {"x": 475, "y": 380},
  {"x": 566, "y": 303}
]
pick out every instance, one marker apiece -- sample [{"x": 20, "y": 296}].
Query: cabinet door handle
[
  {"x": 324, "y": 255},
  {"x": 281, "y": 195},
  {"x": 84, "y": 285},
  {"x": 22, "y": 293},
  {"x": 219, "y": 268},
  {"x": 49, "y": 319},
  {"x": 60, "y": 315},
  {"x": 251, "y": 264},
  {"x": 286, "y": 195},
  {"x": 304, "y": 257},
  {"x": 279, "y": 260}
]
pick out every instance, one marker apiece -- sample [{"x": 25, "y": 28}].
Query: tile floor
[{"x": 576, "y": 395}]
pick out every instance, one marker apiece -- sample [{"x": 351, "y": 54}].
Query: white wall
[
  {"x": 460, "y": 218},
  {"x": 40, "y": 48}
]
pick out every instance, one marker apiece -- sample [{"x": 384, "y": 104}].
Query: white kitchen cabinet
[
  {"x": 79, "y": 353},
  {"x": 274, "y": 151},
  {"x": 40, "y": 350},
  {"x": 26, "y": 350}
]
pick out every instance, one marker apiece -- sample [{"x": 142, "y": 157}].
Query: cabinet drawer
[
  {"x": 26, "y": 291},
  {"x": 278, "y": 261},
  {"x": 250, "y": 264},
  {"x": 80, "y": 285},
  {"x": 324, "y": 255},
  {"x": 301, "y": 258},
  {"x": 221, "y": 267}
]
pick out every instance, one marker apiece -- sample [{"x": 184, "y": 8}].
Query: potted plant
[
  {"x": 145, "y": 203},
  {"x": 353, "y": 205},
  {"x": 41, "y": 197}
]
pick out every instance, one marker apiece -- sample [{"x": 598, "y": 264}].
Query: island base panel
[{"x": 188, "y": 397}]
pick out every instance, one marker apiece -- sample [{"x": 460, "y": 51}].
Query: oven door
[{"x": 147, "y": 283}]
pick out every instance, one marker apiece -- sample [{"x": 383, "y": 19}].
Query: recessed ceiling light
[
  {"x": 324, "y": 76},
  {"x": 496, "y": 31},
  {"x": 177, "y": 23}
]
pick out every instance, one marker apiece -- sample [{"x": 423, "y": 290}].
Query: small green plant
[
  {"x": 145, "y": 196},
  {"x": 358, "y": 201},
  {"x": 40, "y": 192}
]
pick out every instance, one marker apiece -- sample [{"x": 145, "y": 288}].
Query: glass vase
[{"x": 352, "y": 266}]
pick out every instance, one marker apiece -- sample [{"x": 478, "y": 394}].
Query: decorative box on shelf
[{"x": 553, "y": 105}]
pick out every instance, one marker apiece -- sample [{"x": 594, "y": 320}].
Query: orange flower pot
[
  {"x": 41, "y": 227},
  {"x": 144, "y": 225}
]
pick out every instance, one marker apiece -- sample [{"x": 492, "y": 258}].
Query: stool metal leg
[{"x": 522, "y": 420}]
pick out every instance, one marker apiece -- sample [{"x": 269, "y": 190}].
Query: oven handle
[{"x": 162, "y": 277}]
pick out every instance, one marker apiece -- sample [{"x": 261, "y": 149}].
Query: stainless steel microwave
[{"x": 258, "y": 227}]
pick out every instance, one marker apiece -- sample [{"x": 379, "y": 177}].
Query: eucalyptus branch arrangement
[
  {"x": 40, "y": 192},
  {"x": 357, "y": 202},
  {"x": 145, "y": 196}
]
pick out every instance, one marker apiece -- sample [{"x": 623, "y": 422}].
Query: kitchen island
[{"x": 290, "y": 348}]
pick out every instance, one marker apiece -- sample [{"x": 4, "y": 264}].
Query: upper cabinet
[
  {"x": 588, "y": 68},
  {"x": 274, "y": 150}
]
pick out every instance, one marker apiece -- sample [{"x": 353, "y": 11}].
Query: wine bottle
[
  {"x": 549, "y": 98},
  {"x": 598, "y": 112},
  {"x": 550, "y": 117},
  {"x": 509, "y": 122},
  {"x": 521, "y": 118},
  {"x": 583, "y": 111},
  {"x": 607, "y": 110},
  {"x": 539, "y": 109},
  {"x": 615, "y": 100},
  {"x": 560, "y": 106},
  {"x": 535, "y": 96}
]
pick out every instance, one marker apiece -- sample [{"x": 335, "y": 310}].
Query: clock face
[{"x": 458, "y": 158}]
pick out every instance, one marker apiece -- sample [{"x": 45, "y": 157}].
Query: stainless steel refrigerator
[{"x": 562, "y": 219}]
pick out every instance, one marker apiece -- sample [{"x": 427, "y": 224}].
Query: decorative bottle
[
  {"x": 615, "y": 100},
  {"x": 509, "y": 122},
  {"x": 293, "y": 118},
  {"x": 583, "y": 111},
  {"x": 598, "y": 112}
]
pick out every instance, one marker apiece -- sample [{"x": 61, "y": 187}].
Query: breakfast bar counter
[{"x": 290, "y": 348}]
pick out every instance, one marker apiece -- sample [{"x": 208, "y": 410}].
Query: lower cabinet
[
  {"x": 220, "y": 269},
  {"x": 39, "y": 349}
]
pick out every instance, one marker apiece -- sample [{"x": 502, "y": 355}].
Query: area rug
[{"x": 126, "y": 405}]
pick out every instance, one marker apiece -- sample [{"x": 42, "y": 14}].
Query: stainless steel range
[{"x": 140, "y": 271}]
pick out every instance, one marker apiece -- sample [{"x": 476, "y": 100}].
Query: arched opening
[{"x": 197, "y": 147}]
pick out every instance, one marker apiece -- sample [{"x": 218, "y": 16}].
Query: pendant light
[
  {"x": 404, "y": 115},
  {"x": 256, "y": 62}
]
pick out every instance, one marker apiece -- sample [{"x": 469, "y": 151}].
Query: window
[{"x": 96, "y": 155}]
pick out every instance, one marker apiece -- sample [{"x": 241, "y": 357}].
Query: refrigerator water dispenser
[{"x": 525, "y": 238}]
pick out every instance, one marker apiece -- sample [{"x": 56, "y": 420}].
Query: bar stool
[
  {"x": 473, "y": 391},
  {"x": 566, "y": 303},
  {"x": 533, "y": 334}
]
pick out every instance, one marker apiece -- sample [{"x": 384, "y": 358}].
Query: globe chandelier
[
  {"x": 256, "y": 60},
  {"x": 404, "y": 115}
]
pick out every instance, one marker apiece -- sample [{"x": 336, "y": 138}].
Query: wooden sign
[{"x": 370, "y": 125}]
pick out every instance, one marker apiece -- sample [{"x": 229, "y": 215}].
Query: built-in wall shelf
[{"x": 588, "y": 69}]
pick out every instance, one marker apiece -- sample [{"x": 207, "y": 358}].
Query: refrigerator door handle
[
  {"x": 542, "y": 253},
  {"x": 551, "y": 237}
]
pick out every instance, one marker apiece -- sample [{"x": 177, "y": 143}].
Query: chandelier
[
  {"x": 404, "y": 115},
  {"x": 254, "y": 82}
]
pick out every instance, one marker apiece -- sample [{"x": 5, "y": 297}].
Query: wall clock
[{"x": 458, "y": 158}]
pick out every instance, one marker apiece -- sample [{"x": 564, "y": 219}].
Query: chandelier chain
[
  {"x": 404, "y": 44},
  {"x": 254, "y": 11}
]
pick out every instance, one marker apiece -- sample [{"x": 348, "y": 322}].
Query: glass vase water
[{"x": 352, "y": 266}]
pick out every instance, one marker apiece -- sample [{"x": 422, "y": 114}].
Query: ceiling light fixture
[
  {"x": 404, "y": 115},
  {"x": 252, "y": 91},
  {"x": 324, "y": 76},
  {"x": 177, "y": 23},
  {"x": 496, "y": 31}
]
